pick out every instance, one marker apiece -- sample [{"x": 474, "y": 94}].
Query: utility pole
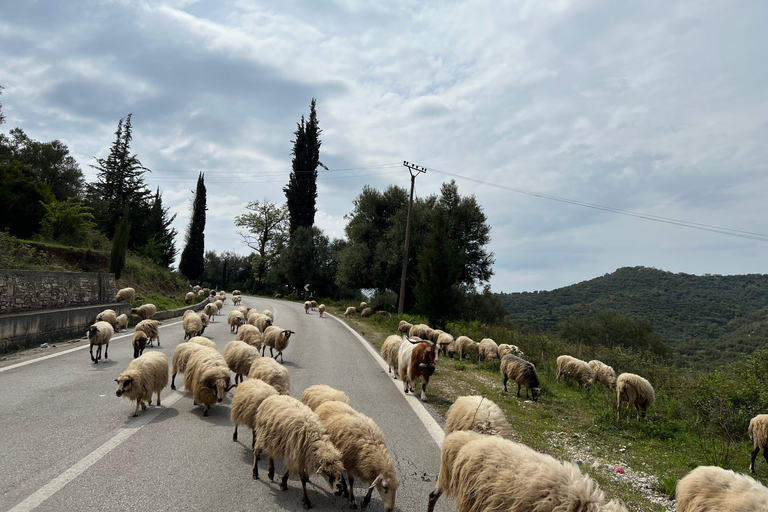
[{"x": 415, "y": 170}]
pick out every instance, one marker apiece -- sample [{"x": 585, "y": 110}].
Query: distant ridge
[{"x": 707, "y": 320}]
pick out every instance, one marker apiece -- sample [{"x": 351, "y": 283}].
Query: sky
[{"x": 653, "y": 107}]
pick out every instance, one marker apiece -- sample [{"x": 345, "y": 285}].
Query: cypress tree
[
  {"x": 160, "y": 231},
  {"x": 301, "y": 191},
  {"x": 120, "y": 244},
  {"x": 192, "y": 258}
]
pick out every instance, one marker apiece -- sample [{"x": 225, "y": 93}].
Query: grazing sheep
[
  {"x": 487, "y": 350},
  {"x": 404, "y": 327},
  {"x": 236, "y": 299},
  {"x": 307, "y": 306},
  {"x": 145, "y": 375},
  {"x": 603, "y": 373},
  {"x": 180, "y": 358},
  {"x": 140, "y": 340},
  {"x": 416, "y": 359},
  {"x": 271, "y": 372},
  {"x": 200, "y": 293},
  {"x": 478, "y": 414},
  {"x": 318, "y": 394},
  {"x": 269, "y": 315},
  {"x": 276, "y": 338},
  {"x": 210, "y": 309},
  {"x": 192, "y": 325},
  {"x": 443, "y": 340},
  {"x": 464, "y": 346},
  {"x": 151, "y": 328},
  {"x": 239, "y": 355},
  {"x": 145, "y": 311},
  {"x": 523, "y": 373},
  {"x": 714, "y": 489},
  {"x": 758, "y": 433},
  {"x": 505, "y": 349},
  {"x": 389, "y": 351},
  {"x": 364, "y": 454},
  {"x": 235, "y": 319},
  {"x": 363, "y": 305},
  {"x": 122, "y": 322},
  {"x": 108, "y": 315},
  {"x": 246, "y": 401},
  {"x": 321, "y": 309},
  {"x": 125, "y": 294},
  {"x": 351, "y": 311},
  {"x": 422, "y": 331},
  {"x": 314, "y": 304},
  {"x": 576, "y": 368},
  {"x": 491, "y": 473},
  {"x": 196, "y": 288},
  {"x": 250, "y": 334},
  {"x": 236, "y": 292},
  {"x": 207, "y": 377},
  {"x": 366, "y": 313},
  {"x": 287, "y": 429},
  {"x": 99, "y": 334},
  {"x": 636, "y": 391},
  {"x": 189, "y": 297},
  {"x": 205, "y": 342},
  {"x": 219, "y": 305}
]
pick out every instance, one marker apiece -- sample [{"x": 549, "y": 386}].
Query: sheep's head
[
  {"x": 139, "y": 344},
  {"x": 536, "y": 393},
  {"x": 93, "y": 331},
  {"x": 330, "y": 466},
  {"x": 287, "y": 333},
  {"x": 124, "y": 385},
  {"x": 220, "y": 386},
  {"x": 387, "y": 487}
]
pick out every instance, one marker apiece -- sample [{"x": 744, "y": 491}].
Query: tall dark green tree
[
  {"x": 301, "y": 191},
  {"x": 192, "y": 257},
  {"x": 120, "y": 244},
  {"x": 162, "y": 234},
  {"x": 308, "y": 260}
]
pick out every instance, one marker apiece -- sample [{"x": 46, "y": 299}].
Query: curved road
[{"x": 68, "y": 443}]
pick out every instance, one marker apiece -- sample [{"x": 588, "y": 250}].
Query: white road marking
[
  {"x": 57, "y": 354},
  {"x": 434, "y": 429},
  {"x": 49, "y": 489}
]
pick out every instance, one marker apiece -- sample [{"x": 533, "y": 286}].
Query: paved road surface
[{"x": 68, "y": 443}]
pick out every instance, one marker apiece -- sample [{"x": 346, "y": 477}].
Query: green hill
[{"x": 707, "y": 320}]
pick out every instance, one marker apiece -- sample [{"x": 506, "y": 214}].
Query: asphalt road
[{"x": 68, "y": 443}]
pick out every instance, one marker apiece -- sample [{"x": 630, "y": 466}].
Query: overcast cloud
[{"x": 658, "y": 107}]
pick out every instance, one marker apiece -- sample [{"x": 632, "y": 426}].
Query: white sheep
[
  {"x": 196, "y": 288},
  {"x": 205, "y": 342},
  {"x": 200, "y": 293},
  {"x": 259, "y": 320},
  {"x": 145, "y": 311},
  {"x": 314, "y": 304},
  {"x": 422, "y": 331},
  {"x": 145, "y": 375},
  {"x": 140, "y": 340},
  {"x": 636, "y": 391},
  {"x": 276, "y": 338},
  {"x": 318, "y": 394},
  {"x": 464, "y": 345},
  {"x": 576, "y": 368},
  {"x": 122, "y": 322},
  {"x": 192, "y": 325},
  {"x": 366, "y": 313},
  {"x": 239, "y": 355},
  {"x": 235, "y": 319},
  {"x": 505, "y": 349},
  {"x": 321, "y": 309},
  {"x": 108, "y": 315},
  {"x": 245, "y": 403},
  {"x": 271, "y": 372},
  {"x": 443, "y": 341},
  {"x": 486, "y": 473},
  {"x": 479, "y": 414},
  {"x": 603, "y": 373},
  {"x": 364, "y": 454},
  {"x": 269, "y": 315},
  {"x": 207, "y": 377},
  {"x": 758, "y": 433},
  {"x": 522, "y": 373},
  {"x": 204, "y": 318},
  {"x": 189, "y": 297},
  {"x": 250, "y": 334},
  {"x": 389, "y": 351},
  {"x": 99, "y": 334},
  {"x": 363, "y": 305},
  {"x": 180, "y": 359},
  {"x": 416, "y": 358},
  {"x": 487, "y": 350},
  {"x": 244, "y": 311},
  {"x": 125, "y": 294},
  {"x": 210, "y": 309},
  {"x": 219, "y": 305},
  {"x": 714, "y": 489},
  {"x": 236, "y": 292},
  {"x": 236, "y": 299},
  {"x": 404, "y": 327},
  {"x": 287, "y": 429},
  {"x": 307, "y": 306},
  {"x": 152, "y": 330},
  {"x": 351, "y": 311}
]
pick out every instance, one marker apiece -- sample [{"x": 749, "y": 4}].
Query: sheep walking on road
[
  {"x": 316, "y": 395},
  {"x": 245, "y": 404},
  {"x": 389, "y": 351},
  {"x": 151, "y": 328},
  {"x": 207, "y": 377},
  {"x": 271, "y": 372},
  {"x": 239, "y": 356},
  {"x": 250, "y": 334},
  {"x": 99, "y": 334},
  {"x": 145, "y": 375},
  {"x": 108, "y": 315},
  {"x": 122, "y": 322},
  {"x": 180, "y": 359},
  {"x": 276, "y": 338},
  {"x": 140, "y": 340}
]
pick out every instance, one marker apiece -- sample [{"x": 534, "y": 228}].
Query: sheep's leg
[
  {"x": 352, "y": 504},
  {"x": 505, "y": 382},
  {"x": 433, "y": 497},
  {"x": 263, "y": 349},
  {"x": 205, "y": 411},
  {"x": 173, "y": 382},
  {"x": 92, "y": 358},
  {"x": 253, "y": 444},
  {"x": 284, "y": 482},
  {"x": 405, "y": 385},
  {"x": 136, "y": 411},
  {"x": 158, "y": 339},
  {"x": 158, "y": 398},
  {"x": 424, "y": 389},
  {"x": 106, "y": 351},
  {"x": 367, "y": 498},
  {"x": 344, "y": 489},
  {"x": 271, "y": 473},
  {"x": 271, "y": 354},
  {"x": 255, "y": 465},
  {"x": 234, "y": 436},
  {"x": 304, "y": 498},
  {"x": 754, "y": 456},
  {"x": 281, "y": 357}
]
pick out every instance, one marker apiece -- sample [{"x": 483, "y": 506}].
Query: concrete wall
[{"x": 29, "y": 290}]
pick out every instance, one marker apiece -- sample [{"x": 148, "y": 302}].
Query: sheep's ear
[
  {"x": 117, "y": 381},
  {"x": 375, "y": 482}
]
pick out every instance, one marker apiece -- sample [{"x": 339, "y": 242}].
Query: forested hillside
[{"x": 707, "y": 320}]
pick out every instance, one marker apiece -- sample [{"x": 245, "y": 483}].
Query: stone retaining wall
[{"x": 29, "y": 290}]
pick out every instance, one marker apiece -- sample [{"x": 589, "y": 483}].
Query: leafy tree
[
  {"x": 308, "y": 259},
  {"x": 227, "y": 270},
  {"x": 68, "y": 222},
  {"x": 162, "y": 234},
  {"x": 301, "y": 191},
  {"x": 21, "y": 212},
  {"x": 265, "y": 229},
  {"x": 192, "y": 263},
  {"x": 120, "y": 244},
  {"x": 614, "y": 330}
]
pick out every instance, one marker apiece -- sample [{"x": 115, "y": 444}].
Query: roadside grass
[{"x": 662, "y": 446}]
